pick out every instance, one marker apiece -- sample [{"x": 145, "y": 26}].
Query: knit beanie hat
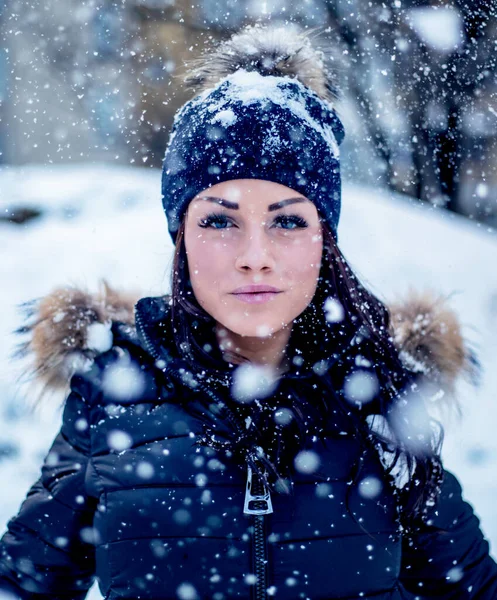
[{"x": 264, "y": 111}]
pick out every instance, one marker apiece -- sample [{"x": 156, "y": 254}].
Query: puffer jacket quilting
[{"x": 127, "y": 496}]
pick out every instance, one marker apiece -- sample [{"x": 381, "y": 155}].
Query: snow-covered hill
[{"x": 105, "y": 221}]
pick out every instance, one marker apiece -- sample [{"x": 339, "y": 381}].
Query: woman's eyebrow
[{"x": 236, "y": 206}]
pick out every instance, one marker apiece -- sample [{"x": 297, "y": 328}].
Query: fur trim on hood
[
  {"x": 69, "y": 327},
  {"x": 428, "y": 334}
]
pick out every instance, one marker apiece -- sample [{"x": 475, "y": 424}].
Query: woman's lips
[
  {"x": 256, "y": 297},
  {"x": 255, "y": 288}
]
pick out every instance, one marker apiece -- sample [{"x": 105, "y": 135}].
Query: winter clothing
[
  {"x": 152, "y": 485},
  {"x": 128, "y": 496},
  {"x": 265, "y": 112}
]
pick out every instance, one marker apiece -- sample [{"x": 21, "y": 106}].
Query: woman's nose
[{"x": 255, "y": 253}]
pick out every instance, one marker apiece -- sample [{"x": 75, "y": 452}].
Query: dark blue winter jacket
[{"x": 127, "y": 497}]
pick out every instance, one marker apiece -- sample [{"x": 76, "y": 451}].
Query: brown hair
[{"x": 364, "y": 313}]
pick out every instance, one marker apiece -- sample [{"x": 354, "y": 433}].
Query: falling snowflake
[
  {"x": 186, "y": 591},
  {"x": 253, "y": 381},
  {"x": 99, "y": 337},
  {"x": 361, "y": 386},
  {"x": 145, "y": 470},
  {"x": 123, "y": 380},
  {"x": 119, "y": 440},
  {"x": 307, "y": 461},
  {"x": 370, "y": 487},
  {"x": 250, "y": 579},
  {"x": 455, "y": 574},
  {"x": 283, "y": 416}
]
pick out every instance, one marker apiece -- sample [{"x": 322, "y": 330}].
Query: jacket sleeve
[
  {"x": 46, "y": 552},
  {"x": 447, "y": 556}
]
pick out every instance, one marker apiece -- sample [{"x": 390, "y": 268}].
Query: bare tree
[{"x": 433, "y": 91}]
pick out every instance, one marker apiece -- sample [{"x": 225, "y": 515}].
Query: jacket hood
[{"x": 68, "y": 327}]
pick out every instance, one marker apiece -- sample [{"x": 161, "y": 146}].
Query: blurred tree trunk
[
  {"x": 165, "y": 39},
  {"x": 433, "y": 91}
]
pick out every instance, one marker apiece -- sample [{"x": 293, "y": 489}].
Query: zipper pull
[{"x": 256, "y": 504}]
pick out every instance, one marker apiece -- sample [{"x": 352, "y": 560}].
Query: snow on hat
[{"x": 264, "y": 111}]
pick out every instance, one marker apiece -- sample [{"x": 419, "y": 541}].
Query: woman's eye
[
  {"x": 220, "y": 221},
  {"x": 291, "y": 221},
  {"x": 215, "y": 222}
]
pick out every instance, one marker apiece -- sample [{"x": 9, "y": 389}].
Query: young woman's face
[{"x": 247, "y": 233}]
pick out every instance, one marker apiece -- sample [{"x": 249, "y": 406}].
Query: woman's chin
[{"x": 251, "y": 326}]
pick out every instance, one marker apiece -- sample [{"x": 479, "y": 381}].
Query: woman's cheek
[
  {"x": 208, "y": 268},
  {"x": 203, "y": 252},
  {"x": 304, "y": 262}
]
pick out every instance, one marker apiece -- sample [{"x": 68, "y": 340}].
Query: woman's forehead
[
  {"x": 249, "y": 194},
  {"x": 238, "y": 189}
]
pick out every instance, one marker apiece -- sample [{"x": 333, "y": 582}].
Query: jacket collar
[
  {"x": 70, "y": 325},
  {"x": 155, "y": 331}
]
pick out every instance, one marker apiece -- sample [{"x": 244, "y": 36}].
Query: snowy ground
[{"x": 107, "y": 222}]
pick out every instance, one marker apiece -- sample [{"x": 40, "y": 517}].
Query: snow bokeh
[
  {"x": 334, "y": 312},
  {"x": 252, "y": 382},
  {"x": 370, "y": 487},
  {"x": 106, "y": 221},
  {"x": 123, "y": 380},
  {"x": 441, "y": 28},
  {"x": 360, "y": 387},
  {"x": 186, "y": 591},
  {"x": 119, "y": 440},
  {"x": 307, "y": 461}
]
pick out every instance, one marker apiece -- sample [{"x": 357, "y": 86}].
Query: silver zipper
[{"x": 256, "y": 504}]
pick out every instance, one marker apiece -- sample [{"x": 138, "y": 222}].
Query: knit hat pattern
[{"x": 265, "y": 111}]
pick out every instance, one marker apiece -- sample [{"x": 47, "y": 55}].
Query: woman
[{"x": 260, "y": 431}]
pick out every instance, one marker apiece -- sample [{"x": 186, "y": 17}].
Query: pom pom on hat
[{"x": 277, "y": 50}]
